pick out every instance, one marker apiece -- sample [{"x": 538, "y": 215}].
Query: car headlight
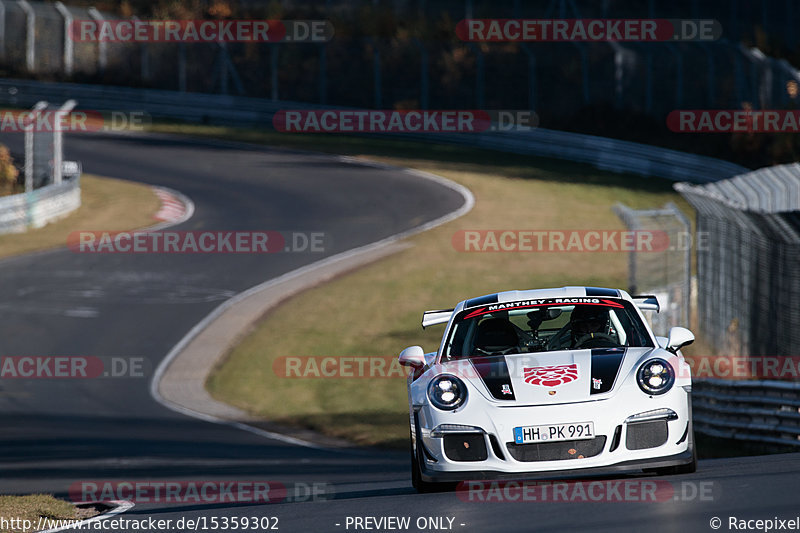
[
  {"x": 447, "y": 392},
  {"x": 655, "y": 376}
]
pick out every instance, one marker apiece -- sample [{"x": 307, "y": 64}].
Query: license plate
[{"x": 554, "y": 432}]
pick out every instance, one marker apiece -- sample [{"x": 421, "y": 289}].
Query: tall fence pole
[
  {"x": 664, "y": 271},
  {"x": 531, "y": 75},
  {"x": 2, "y": 30},
  {"x": 686, "y": 308},
  {"x": 480, "y": 77},
  {"x": 424, "y": 76},
  {"x": 323, "y": 72},
  {"x": 144, "y": 56},
  {"x": 182, "y": 67},
  {"x": 58, "y": 140},
  {"x": 102, "y": 46},
  {"x": 273, "y": 69},
  {"x": 29, "y": 133},
  {"x": 67, "y": 44},
  {"x": 30, "y": 34}
]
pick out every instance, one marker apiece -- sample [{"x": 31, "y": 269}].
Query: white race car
[{"x": 548, "y": 381}]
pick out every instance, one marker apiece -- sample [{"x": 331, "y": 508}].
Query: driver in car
[
  {"x": 587, "y": 328},
  {"x": 587, "y": 321}
]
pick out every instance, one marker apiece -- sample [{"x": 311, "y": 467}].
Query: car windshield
[{"x": 545, "y": 326}]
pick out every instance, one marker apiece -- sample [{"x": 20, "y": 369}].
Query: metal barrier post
[
  {"x": 29, "y": 133},
  {"x": 2, "y": 30},
  {"x": 30, "y": 34},
  {"x": 58, "y": 143},
  {"x": 68, "y": 44},
  {"x": 102, "y": 48}
]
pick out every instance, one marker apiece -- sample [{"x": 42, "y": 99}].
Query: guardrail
[
  {"x": 36, "y": 208},
  {"x": 757, "y": 411},
  {"x": 603, "y": 153}
]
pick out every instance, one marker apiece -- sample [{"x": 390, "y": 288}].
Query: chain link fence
[
  {"x": 52, "y": 185},
  {"x": 666, "y": 270},
  {"x": 360, "y": 68},
  {"x": 749, "y": 269}
]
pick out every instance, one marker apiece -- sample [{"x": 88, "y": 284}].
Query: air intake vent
[
  {"x": 646, "y": 435},
  {"x": 557, "y": 451},
  {"x": 465, "y": 447}
]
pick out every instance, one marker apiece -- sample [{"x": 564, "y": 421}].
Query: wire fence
[
  {"x": 665, "y": 271},
  {"x": 746, "y": 295},
  {"x": 749, "y": 268},
  {"x": 429, "y": 71}
]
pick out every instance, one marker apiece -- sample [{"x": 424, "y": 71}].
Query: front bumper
[
  {"x": 620, "y": 451},
  {"x": 436, "y": 476}
]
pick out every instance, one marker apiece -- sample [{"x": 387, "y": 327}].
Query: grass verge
[
  {"x": 33, "y": 508},
  {"x": 376, "y": 310},
  {"x": 106, "y": 204}
]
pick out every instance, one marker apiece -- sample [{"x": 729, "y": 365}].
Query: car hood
[{"x": 549, "y": 377}]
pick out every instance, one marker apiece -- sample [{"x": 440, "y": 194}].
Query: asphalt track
[{"x": 59, "y": 432}]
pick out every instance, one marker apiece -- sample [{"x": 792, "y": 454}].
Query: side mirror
[
  {"x": 413, "y": 356},
  {"x": 678, "y": 338}
]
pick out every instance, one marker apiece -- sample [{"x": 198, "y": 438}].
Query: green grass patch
[
  {"x": 376, "y": 310},
  {"x": 106, "y": 205}
]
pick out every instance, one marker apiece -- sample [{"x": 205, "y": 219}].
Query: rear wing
[
  {"x": 647, "y": 302},
  {"x": 439, "y": 316}
]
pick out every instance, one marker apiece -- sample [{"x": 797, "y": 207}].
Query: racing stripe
[
  {"x": 605, "y": 367},
  {"x": 493, "y": 370},
  {"x": 599, "y": 291}
]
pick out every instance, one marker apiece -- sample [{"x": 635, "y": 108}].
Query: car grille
[
  {"x": 644, "y": 435},
  {"x": 557, "y": 451},
  {"x": 465, "y": 447}
]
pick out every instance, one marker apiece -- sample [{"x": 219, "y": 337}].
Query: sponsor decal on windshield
[{"x": 524, "y": 304}]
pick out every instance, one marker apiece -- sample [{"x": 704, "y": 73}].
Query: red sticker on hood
[{"x": 551, "y": 376}]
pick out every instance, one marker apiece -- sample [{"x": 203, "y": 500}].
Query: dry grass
[
  {"x": 34, "y": 508},
  {"x": 106, "y": 204}
]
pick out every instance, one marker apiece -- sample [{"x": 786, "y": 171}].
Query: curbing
[
  {"x": 179, "y": 380},
  {"x": 187, "y": 203},
  {"x": 121, "y": 506}
]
